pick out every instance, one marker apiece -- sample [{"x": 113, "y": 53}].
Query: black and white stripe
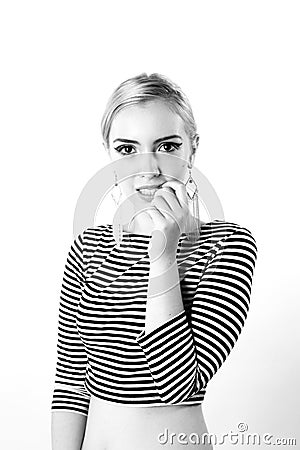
[{"x": 102, "y": 348}]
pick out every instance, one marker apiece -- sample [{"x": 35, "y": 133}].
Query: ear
[
  {"x": 105, "y": 147},
  {"x": 196, "y": 142},
  {"x": 194, "y": 148}
]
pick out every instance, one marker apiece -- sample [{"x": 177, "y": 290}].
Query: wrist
[
  {"x": 163, "y": 277},
  {"x": 164, "y": 261}
]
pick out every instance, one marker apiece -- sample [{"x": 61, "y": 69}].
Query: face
[{"x": 150, "y": 129}]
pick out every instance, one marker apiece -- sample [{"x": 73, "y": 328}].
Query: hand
[{"x": 169, "y": 212}]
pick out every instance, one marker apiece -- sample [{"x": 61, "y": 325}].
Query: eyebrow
[{"x": 155, "y": 142}]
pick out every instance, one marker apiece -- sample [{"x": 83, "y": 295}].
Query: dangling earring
[
  {"x": 117, "y": 226},
  {"x": 192, "y": 192},
  {"x": 117, "y": 195}
]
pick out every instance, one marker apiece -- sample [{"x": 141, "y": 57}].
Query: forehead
[{"x": 153, "y": 118}]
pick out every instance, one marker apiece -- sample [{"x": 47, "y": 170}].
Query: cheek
[
  {"x": 179, "y": 175},
  {"x": 174, "y": 168},
  {"x": 128, "y": 186}
]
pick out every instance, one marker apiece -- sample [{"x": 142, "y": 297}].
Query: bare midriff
[{"x": 112, "y": 426}]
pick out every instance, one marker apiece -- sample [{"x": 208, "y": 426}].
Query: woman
[{"x": 138, "y": 342}]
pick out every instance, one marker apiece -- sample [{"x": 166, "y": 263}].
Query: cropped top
[{"x": 102, "y": 348}]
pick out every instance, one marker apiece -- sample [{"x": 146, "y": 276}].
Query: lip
[
  {"x": 147, "y": 197},
  {"x": 150, "y": 186}
]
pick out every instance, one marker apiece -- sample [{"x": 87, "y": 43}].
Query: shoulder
[
  {"x": 92, "y": 235},
  {"x": 225, "y": 233},
  {"x": 224, "y": 228}
]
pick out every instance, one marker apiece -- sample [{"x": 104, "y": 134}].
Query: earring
[
  {"x": 192, "y": 192},
  {"x": 117, "y": 195},
  {"x": 117, "y": 226}
]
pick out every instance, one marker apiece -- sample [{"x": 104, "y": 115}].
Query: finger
[
  {"x": 179, "y": 189},
  {"x": 157, "y": 216},
  {"x": 169, "y": 206},
  {"x": 164, "y": 209},
  {"x": 168, "y": 197},
  {"x": 176, "y": 215}
]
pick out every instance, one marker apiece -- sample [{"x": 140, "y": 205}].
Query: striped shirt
[{"x": 102, "y": 347}]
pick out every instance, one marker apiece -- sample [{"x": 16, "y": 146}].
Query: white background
[{"x": 238, "y": 62}]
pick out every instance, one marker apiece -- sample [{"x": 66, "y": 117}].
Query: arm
[
  {"x": 164, "y": 298},
  {"x": 70, "y": 400},
  {"x": 67, "y": 430},
  {"x": 184, "y": 353}
]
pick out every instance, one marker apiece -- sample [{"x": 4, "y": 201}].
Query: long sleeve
[
  {"x": 69, "y": 391},
  {"x": 185, "y": 352}
]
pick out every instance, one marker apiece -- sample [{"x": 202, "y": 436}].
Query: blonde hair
[{"x": 144, "y": 88}]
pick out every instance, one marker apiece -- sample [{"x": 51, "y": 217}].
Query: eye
[
  {"x": 121, "y": 147},
  {"x": 174, "y": 144},
  {"x": 166, "y": 145}
]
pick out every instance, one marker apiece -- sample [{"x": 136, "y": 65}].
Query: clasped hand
[{"x": 169, "y": 211}]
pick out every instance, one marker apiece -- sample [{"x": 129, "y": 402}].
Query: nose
[{"x": 149, "y": 163}]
